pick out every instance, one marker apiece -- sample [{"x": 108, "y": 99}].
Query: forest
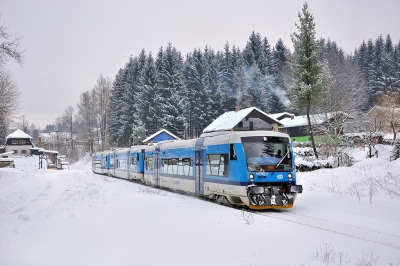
[{"x": 184, "y": 93}]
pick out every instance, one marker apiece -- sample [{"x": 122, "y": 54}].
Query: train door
[
  {"x": 157, "y": 165},
  {"x": 128, "y": 164},
  {"x": 199, "y": 151},
  {"x": 113, "y": 162}
]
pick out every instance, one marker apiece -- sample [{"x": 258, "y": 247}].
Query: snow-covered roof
[
  {"x": 295, "y": 122},
  {"x": 384, "y": 109},
  {"x": 229, "y": 120},
  {"x": 18, "y": 134},
  {"x": 53, "y": 136},
  {"x": 278, "y": 115},
  {"x": 158, "y": 133},
  {"x": 7, "y": 153},
  {"x": 315, "y": 119}
]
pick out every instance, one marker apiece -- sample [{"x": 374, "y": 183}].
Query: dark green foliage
[
  {"x": 395, "y": 154},
  {"x": 184, "y": 95},
  {"x": 379, "y": 61}
]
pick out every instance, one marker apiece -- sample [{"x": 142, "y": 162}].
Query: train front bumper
[{"x": 272, "y": 197}]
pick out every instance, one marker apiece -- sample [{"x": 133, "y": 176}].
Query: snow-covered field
[{"x": 74, "y": 217}]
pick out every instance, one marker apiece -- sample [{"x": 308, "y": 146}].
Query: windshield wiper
[{"x": 282, "y": 159}]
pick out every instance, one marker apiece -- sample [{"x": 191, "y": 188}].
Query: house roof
[
  {"x": 229, "y": 120},
  {"x": 18, "y": 134},
  {"x": 160, "y": 136},
  {"x": 315, "y": 119},
  {"x": 280, "y": 116},
  {"x": 384, "y": 109}
]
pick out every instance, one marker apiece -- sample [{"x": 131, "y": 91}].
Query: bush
[{"x": 395, "y": 154}]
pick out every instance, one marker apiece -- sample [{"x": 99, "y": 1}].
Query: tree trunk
[{"x": 310, "y": 127}]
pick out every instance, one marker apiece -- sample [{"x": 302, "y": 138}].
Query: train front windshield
[{"x": 267, "y": 153}]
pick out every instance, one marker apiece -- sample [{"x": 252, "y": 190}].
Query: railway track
[
  {"x": 343, "y": 229},
  {"x": 291, "y": 216}
]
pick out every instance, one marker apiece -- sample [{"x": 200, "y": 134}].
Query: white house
[{"x": 19, "y": 142}]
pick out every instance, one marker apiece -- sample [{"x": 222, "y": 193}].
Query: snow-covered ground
[{"x": 74, "y": 217}]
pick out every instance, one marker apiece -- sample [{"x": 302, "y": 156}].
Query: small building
[
  {"x": 297, "y": 126},
  {"x": 19, "y": 142},
  {"x": 6, "y": 159},
  {"x": 241, "y": 120},
  {"x": 160, "y": 135}
]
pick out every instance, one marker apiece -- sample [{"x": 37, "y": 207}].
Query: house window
[
  {"x": 21, "y": 141},
  {"x": 14, "y": 141},
  {"x": 15, "y": 151},
  {"x": 23, "y": 151}
]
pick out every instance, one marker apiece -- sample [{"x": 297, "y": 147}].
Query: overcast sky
[{"x": 69, "y": 43}]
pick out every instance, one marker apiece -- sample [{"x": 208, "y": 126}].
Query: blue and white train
[{"x": 245, "y": 168}]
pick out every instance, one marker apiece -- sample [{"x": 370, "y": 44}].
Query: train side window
[
  {"x": 174, "y": 163},
  {"x": 232, "y": 152},
  {"x": 133, "y": 162},
  {"x": 217, "y": 164},
  {"x": 149, "y": 163}
]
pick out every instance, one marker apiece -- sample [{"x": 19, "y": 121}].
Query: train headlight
[
  {"x": 290, "y": 177},
  {"x": 251, "y": 176}
]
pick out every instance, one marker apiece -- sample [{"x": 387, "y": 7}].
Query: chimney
[
  {"x": 237, "y": 109},
  {"x": 291, "y": 117}
]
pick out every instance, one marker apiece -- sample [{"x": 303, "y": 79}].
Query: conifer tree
[
  {"x": 395, "y": 154},
  {"x": 196, "y": 95},
  {"x": 226, "y": 78},
  {"x": 213, "y": 91},
  {"x": 148, "y": 96},
  {"x": 172, "y": 91},
  {"x": 310, "y": 77},
  {"x": 115, "y": 123}
]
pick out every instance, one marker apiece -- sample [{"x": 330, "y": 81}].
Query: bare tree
[
  {"x": 9, "y": 93},
  {"x": 9, "y": 97},
  {"x": 34, "y": 132},
  {"x": 86, "y": 117},
  {"x": 9, "y": 47},
  {"x": 372, "y": 125},
  {"x": 102, "y": 94},
  {"x": 68, "y": 119},
  {"x": 342, "y": 101},
  {"x": 390, "y": 103},
  {"x": 22, "y": 123}
]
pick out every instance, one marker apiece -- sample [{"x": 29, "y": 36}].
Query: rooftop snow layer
[
  {"x": 18, "y": 134},
  {"x": 229, "y": 120}
]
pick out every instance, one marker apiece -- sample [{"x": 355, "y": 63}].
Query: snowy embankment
[{"x": 74, "y": 217}]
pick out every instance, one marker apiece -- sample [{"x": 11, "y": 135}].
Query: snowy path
[{"x": 75, "y": 217}]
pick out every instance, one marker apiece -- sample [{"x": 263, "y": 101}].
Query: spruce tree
[
  {"x": 196, "y": 96},
  {"x": 148, "y": 96},
  {"x": 172, "y": 91},
  {"x": 308, "y": 72},
  {"x": 395, "y": 154}
]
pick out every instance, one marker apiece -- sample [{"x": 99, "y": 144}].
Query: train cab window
[
  {"x": 217, "y": 164},
  {"x": 149, "y": 163}
]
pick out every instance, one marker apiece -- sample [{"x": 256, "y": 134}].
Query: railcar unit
[{"x": 245, "y": 168}]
